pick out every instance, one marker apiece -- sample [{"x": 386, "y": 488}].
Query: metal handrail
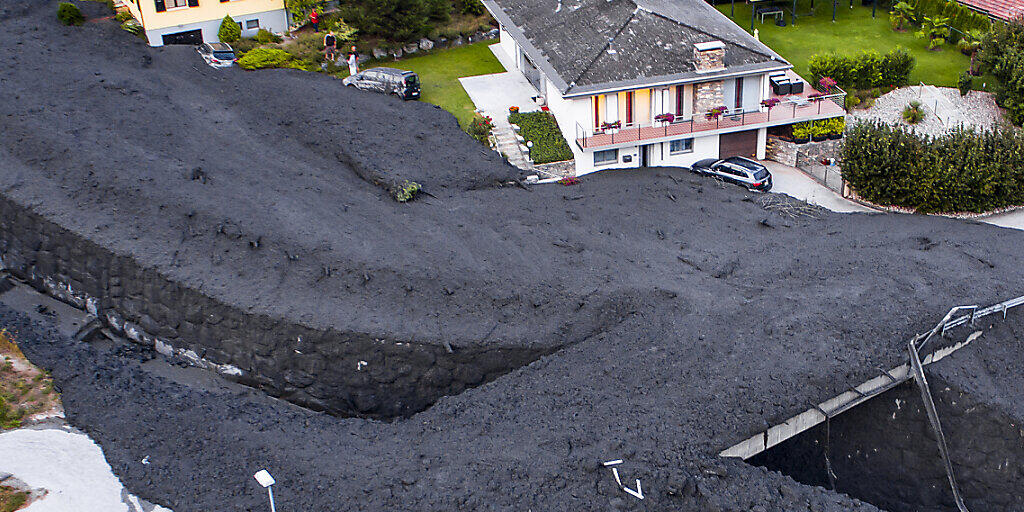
[{"x": 682, "y": 126}]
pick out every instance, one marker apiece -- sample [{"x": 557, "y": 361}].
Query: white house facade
[{"x": 641, "y": 83}]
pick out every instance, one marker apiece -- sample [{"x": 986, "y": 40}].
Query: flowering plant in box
[
  {"x": 513, "y": 109},
  {"x": 827, "y": 83},
  {"x": 715, "y": 113},
  {"x": 665, "y": 118},
  {"x": 569, "y": 180},
  {"x": 770, "y": 102},
  {"x": 614, "y": 125}
]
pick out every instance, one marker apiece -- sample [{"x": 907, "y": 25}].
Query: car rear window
[
  {"x": 412, "y": 80},
  {"x": 761, "y": 174},
  {"x": 224, "y": 55}
]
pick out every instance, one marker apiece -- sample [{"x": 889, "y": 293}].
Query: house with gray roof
[{"x": 638, "y": 83}]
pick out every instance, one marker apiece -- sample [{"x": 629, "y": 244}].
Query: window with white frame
[
  {"x": 171, "y": 4},
  {"x": 251, "y": 24},
  {"x": 607, "y": 156},
  {"x": 680, "y": 146}
]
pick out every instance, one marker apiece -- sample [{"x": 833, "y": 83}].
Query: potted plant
[
  {"x": 715, "y": 113},
  {"x": 802, "y": 133},
  {"x": 836, "y": 126},
  {"x": 614, "y": 125},
  {"x": 819, "y": 131},
  {"x": 513, "y": 109},
  {"x": 665, "y": 118},
  {"x": 826, "y": 84}
]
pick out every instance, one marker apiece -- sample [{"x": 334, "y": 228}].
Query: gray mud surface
[{"x": 684, "y": 316}]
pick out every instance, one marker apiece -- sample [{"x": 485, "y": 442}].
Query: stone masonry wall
[{"x": 342, "y": 372}]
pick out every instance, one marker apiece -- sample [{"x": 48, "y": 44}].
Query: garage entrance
[
  {"x": 738, "y": 144},
  {"x": 188, "y": 37}
]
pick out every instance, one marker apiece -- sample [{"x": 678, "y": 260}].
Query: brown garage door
[{"x": 738, "y": 144}]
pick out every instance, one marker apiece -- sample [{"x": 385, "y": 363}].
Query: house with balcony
[
  {"x": 197, "y": 21},
  {"x": 638, "y": 83}
]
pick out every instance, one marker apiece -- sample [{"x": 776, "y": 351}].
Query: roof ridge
[
  {"x": 604, "y": 49},
  {"x": 709, "y": 34}
]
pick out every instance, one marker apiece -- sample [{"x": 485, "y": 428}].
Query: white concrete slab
[
  {"x": 1014, "y": 219},
  {"x": 504, "y": 58},
  {"x": 69, "y": 466},
  {"x": 793, "y": 182},
  {"x": 494, "y": 94}
]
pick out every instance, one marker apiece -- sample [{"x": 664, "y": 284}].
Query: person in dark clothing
[
  {"x": 330, "y": 47},
  {"x": 314, "y": 18}
]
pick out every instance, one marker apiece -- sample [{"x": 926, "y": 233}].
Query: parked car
[
  {"x": 738, "y": 170},
  {"x": 218, "y": 55},
  {"x": 401, "y": 83}
]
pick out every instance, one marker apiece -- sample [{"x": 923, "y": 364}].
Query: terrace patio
[{"x": 807, "y": 105}]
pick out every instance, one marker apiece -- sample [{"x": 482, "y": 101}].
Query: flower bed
[{"x": 541, "y": 129}]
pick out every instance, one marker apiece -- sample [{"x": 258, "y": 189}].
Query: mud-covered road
[{"x": 681, "y": 316}]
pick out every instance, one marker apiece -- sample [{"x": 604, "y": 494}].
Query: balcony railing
[{"x": 785, "y": 110}]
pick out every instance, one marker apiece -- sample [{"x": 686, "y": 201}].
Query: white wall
[
  {"x": 568, "y": 112},
  {"x": 508, "y": 45},
  {"x": 274, "y": 21},
  {"x": 660, "y": 156}
]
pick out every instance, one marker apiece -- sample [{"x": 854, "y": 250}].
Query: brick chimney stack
[{"x": 709, "y": 56}]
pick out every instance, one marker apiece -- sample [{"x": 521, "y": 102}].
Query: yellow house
[{"x": 197, "y": 21}]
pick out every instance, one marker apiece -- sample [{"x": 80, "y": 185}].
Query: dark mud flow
[{"x": 661, "y": 317}]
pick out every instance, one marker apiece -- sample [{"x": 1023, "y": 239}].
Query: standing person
[
  {"x": 353, "y": 61},
  {"x": 330, "y": 47},
  {"x": 314, "y": 18}
]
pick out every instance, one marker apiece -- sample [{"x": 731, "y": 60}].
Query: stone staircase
[{"x": 510, "y": 145}]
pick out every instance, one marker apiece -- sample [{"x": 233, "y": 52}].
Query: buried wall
[
  {"x": 884, "y": 452},
  {"x": 344, "y": 373}
]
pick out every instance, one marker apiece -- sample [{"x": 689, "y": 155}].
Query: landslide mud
[{"x": 677, "y": 317}]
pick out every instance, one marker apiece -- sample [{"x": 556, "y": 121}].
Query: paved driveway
[
  {"x": 494, "y": 94},
  {"x": 793, "y": 182}
]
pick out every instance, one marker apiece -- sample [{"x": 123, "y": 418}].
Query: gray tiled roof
[{"x": 590, "y": 45}]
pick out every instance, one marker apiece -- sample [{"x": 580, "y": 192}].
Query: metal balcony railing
[{"x": 786, "y": 110}]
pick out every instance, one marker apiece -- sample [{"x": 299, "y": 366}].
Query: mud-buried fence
[
  {"x": 341, "y": 372},
  {"x": 877, "y": 443}
]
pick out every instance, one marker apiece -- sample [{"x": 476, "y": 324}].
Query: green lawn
[
  {"x": 440, "y": 72},
  {"x": 854, "y": 30}
]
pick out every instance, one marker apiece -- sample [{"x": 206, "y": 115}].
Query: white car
[{"x": 218, "y": 55}]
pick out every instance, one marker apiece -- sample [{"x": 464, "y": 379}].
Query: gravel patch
[{"x": 944, "y": 109}]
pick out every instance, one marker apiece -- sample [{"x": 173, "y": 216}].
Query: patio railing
[{"x": 787, "y": 110}]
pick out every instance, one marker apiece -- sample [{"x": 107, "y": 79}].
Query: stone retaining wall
[{"x": 342, "y": 372}]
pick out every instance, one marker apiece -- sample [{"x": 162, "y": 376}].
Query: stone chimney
[{"x": 709, "y": 56}]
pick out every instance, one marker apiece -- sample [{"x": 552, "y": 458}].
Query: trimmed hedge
[
  {"x": 962, "y": 171},
  {"x": 541, "y": 128},
  {"x": 864, "y": 70}
]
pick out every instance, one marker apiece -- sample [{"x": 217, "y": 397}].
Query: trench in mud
[{"x": 884, "y": 452}]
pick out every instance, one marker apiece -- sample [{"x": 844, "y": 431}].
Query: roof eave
[
  {"x": 527, "y": 46},
  {"x": 675, "y": 79}
]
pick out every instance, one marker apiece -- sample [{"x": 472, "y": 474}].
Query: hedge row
[
  {"x": 864, "y": 70},
  {"x": 960, "y": 17},
  {"x": 1002, "y": 53},
  {"x": 962, "y": 171},
  {"x": 541, "y": 128},
  {"x": 262, "y": 58}
]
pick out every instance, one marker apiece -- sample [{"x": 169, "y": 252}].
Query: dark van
[{"x": 401, "y": 83}]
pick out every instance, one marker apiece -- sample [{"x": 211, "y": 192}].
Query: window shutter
[
  {"x": 160, "y": 6},
  {"x": 223, "y": 1},
  {"x": 193, "y": 3}
]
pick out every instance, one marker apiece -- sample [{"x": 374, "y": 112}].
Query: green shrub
[
  {"x": 265, "y": 36},
  {"x": 244, "y": 45},
  {"x": 852, "y": 101},
  {"x": 123, "y": 16},
  {"x": 69, "y": 14},
  {"x": 913, "y": 114},
  {"x": 962, "y": 171},
  {"x": 261, "y": 58},
  {"x": 133, "y": 27},
  {"x": 803, "y": 130},
  {"x": 480, "y": 128},
  {"x": 471, "y": 7},
  {"x": 12, "y": 499},
  {"x": 229, "y": 31},
  {"x": 1002, "y": 53},
  {"x": 965, "y": 83},
  {"x": 541, "y": 129},
  {"x": 407, "y": 191}
]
